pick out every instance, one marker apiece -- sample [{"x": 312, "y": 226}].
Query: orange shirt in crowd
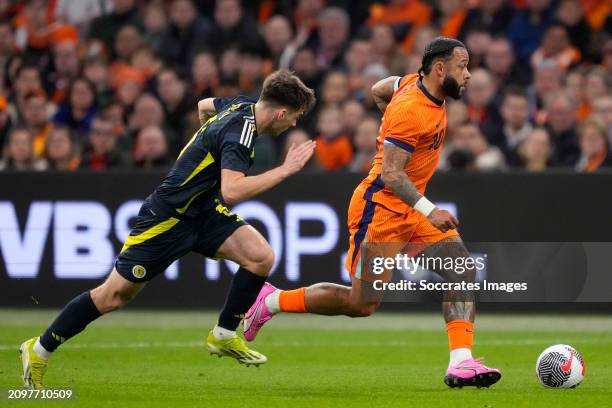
[
  {"x": 565, "y": 59},
  {"x": 121, "y": 72},
  {"x": 45, "y": 37},
  {"x": 40, "y": 140},
  {"x": 595, "y": 162},
  {"x": 413, "y": 12},
  {"x": 334, "y": 153},
  {"x": 266, "y": 9},
  {"x": 452, "y": 26},
  {"x": 583, "y": 111},
  {"x": 596, "y": 12}
]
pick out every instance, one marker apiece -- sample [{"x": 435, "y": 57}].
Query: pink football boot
[
  {"x": 258, "y": 314},
  {"x": 471, "y": 372}
]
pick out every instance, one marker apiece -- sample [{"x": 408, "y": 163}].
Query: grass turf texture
[{"x": 156, "y": 359}]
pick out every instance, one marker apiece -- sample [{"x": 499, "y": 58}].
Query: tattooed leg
[
  {"x": 332, "y": 299},
  {"x": 457, "y": 304}
]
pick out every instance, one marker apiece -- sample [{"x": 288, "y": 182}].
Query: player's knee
[
  {"x": 363, "y": 309},
  {"x": 119, "y": 299},
  {"x": 261, "y": 261},
  {"x": 464, "y": 275},
  {"x": 108, "y": 299},
  {"x": 459, "y": 274},
  {"x": 470, "y": 275}
]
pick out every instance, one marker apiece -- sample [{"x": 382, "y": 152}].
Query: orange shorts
[{"x": 372, "y": 222}]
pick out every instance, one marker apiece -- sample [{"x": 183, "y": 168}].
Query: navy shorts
[{"x": 159, "y": 237}]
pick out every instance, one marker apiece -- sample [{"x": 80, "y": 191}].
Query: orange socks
[
  {"x": 460, "y": 334},
  {"x": 292, "y": 301}
]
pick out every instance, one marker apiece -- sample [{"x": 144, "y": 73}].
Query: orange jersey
[
  {"x": 415, "y": 121},
  {"x": 334, "y": 154}
]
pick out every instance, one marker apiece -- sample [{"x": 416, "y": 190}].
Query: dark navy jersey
[{"x": 225, "y": 141}]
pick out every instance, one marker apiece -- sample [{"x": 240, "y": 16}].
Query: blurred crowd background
[{"x": 113, "y": 84}]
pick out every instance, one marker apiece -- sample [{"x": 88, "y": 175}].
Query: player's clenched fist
[
  {"x": 443, "y": 220},
  {"x": 298, "y": 156}
]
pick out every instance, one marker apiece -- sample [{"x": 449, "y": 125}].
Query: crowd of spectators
[{"x": 113, "y": 84}]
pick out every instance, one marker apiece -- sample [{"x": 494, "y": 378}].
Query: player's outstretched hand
[
  {"x": 298, "y": 156},
  {"x": 443, "y": 220}
]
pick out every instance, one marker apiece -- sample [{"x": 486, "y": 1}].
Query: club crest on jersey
[{"x": 139, "y": 271}]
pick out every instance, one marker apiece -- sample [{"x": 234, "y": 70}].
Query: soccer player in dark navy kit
[{"x": 185, "y": 214}]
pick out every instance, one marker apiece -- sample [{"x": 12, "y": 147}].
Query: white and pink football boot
[
  {"x": 471, "y": 372},
  {"x": 258, "y": 314}
]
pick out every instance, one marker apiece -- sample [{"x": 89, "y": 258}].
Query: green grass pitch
[{"x": 156, "y": 359}]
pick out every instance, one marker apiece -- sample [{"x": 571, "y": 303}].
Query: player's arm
[
  {"x": 394, "y": 176},
  {"x": 383, "y": 90},
  {"x": 206, "y": 109},
  {"x": 236, "y": 186}
]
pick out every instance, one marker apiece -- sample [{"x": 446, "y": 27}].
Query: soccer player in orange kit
[{"x": 389, "y": 206}]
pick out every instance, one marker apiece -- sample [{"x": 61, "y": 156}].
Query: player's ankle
[
  {"x": 41, "y": 351},
  {"x": 458, "y": 355},
  {"x": 221, "y": 333},
  {"x": 272, "y": 302}
]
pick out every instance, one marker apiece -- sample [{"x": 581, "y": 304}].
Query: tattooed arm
[
  {"x": 394, "y": 176},
  {"x": 382, "y": 92}
]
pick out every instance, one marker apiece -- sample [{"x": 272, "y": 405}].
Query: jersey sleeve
[
  {"x": 236, "y": 145},
  {"x": 403, "y": 81},
  {"x": 396, "y": 83},
  {"x": 221, "y": 102},
  {"x": 404, "y": 129}
]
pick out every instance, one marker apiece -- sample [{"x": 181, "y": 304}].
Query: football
[{"x": 560, "y": 366}]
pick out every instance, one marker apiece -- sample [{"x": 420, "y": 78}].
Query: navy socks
[
  {"x": 241, "y": 296},
  {"x": 71, "y": 321}
]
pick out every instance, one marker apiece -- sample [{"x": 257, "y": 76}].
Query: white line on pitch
[{"x": 196, "y": 344}]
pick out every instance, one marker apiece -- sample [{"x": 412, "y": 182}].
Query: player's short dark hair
[
  {"x": 438, "y": 48},
  {"x": 283, "y": 88}
]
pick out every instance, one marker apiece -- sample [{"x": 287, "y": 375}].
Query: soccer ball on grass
[{"x": 560, "y": 366}]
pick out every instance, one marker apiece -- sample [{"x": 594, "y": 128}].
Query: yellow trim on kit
[
  {"x": 150, "y": 233},
  {"x": 201, "y": 129},
  {"x": 191, "y": 140},
  {"x": 207, "y": 161},
  {"x": 253, "y": 113},
  {"x": 183, "y": 209},
  {"x": 221, "y": 209}
]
